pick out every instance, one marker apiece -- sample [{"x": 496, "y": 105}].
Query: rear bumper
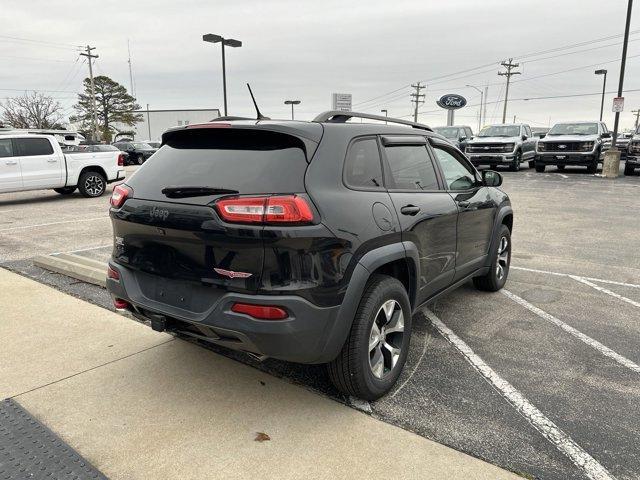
[
  {"x": 306, "y": 336},
  {"x": 569, "y": 158},
  {"x": 490, "y": 158},
  {"x": 119, "y": 176}
]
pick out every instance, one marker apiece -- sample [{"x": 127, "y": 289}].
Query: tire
[
  {"x": 560, "y": 168},
  {"x": 593, "y": 166},
  {"x": 540, "y": 167},
  {"x": 369, "y": 372},
  {"x": 140, "y": 160},
  {"x": 628, "y": 169},
  {"x": 495, "y": 279},
  {"x": 65, "y": 190},
  {"x": 92, "y": 184},
  {"x": 515, "y": 165}
]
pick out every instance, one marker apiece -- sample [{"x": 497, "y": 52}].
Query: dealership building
[{"x": 155, "y": 122}]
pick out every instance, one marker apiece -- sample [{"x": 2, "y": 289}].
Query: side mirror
[
  {"x": 462, "y": 139},
  {"x": 524, "y": 137},
  {"x": 491, "y": 178},
  {"x": 606, "y": 135}
]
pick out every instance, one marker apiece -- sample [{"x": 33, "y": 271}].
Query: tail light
[
  {"x": 279, "y": 209},
  {"x": 261, "y": 312},
  {"x": 112, "y": 273},
  {"x": 120, "y": 304},
  {"x": 121, "y": 160},
  {"x": 119, "y": 195}
]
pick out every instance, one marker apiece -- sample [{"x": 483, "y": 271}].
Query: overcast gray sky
[{"x": 308, "y": 49}]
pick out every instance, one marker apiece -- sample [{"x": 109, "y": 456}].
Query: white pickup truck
[{"x": 36, "y": 162}]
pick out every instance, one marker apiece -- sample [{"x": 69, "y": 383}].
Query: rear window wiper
[{"x": 184, "y": 192}]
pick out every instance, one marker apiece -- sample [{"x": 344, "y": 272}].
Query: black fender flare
[
  {"x": 502, "y": 213},
  {"x": 363, "y": 270}
]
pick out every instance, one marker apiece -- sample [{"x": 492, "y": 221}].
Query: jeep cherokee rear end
[{"x": 247, "y": 264}]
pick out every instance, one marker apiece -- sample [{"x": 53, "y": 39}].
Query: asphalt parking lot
[{"x": 541, "y": 379}]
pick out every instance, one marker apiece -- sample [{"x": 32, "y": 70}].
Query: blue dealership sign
[{"x": 451, "y": 101}]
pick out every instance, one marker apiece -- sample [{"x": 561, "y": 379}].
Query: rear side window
[
  {"x": 249, "y": 161},
  {"x": 362, "y": 167},
  {"x": 28, "y": 147},
  {"x": 411, "y": 168},
  {"x": 6, "y": 149}
]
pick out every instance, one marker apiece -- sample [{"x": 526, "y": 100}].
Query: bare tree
[{"x": 32, "y": 110}]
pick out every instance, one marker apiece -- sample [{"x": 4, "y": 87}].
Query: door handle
[
  {"x": 11, "y": 162},
  {"x": 52, "y": 160},
  {"x": 463, "y": 203},
  {"x": 409, "y": 210}
]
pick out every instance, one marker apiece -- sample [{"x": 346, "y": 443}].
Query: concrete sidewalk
[{"x": 139, "y": 404}]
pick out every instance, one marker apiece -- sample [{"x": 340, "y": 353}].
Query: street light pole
[
  {"x": 480, "y": 112},
  {"x": 229, "y": 42},
  {"x": 292, "y": 103},
  {"x": 604, "y": 87}
]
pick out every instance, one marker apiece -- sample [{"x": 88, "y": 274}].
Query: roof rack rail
[{"x": 336, "y": 116}]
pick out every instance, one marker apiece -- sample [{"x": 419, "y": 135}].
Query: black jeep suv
[{"x": 311, "y": 242}]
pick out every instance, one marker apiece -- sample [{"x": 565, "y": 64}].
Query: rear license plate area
[{"x": 174, "y": 293}]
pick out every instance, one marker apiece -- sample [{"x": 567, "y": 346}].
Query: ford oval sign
[{"x": 451, "y": 101}]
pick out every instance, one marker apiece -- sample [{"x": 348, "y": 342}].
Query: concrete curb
[{"x": 82, "y": 268}]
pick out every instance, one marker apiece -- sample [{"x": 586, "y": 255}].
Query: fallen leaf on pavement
[{"x": 262, "y": 437}]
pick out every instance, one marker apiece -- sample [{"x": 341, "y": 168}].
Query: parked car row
[
  {"x": 565, "y": 144},
  {"x": 137, "y": 152}
]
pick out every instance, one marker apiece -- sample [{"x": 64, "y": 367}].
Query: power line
[
  {"x": 430, "y": 81},
  {"x": 39, "y": 42}
]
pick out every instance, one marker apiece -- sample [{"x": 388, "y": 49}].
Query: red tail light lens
[
  {"x": 119, "y": 195},
  {"x": 120, "y": 304},
  {"x": 261, "y": 312},
  {"x": 121, "y": 160},
  {"x": 112, "y": 273},
  {"x": 281, "y": 209}
]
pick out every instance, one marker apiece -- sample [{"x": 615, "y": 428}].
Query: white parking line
[
  {"x": 604, "y": 290},
  {"x": 563, "y": 175},
  {"x": 606, "y": 351},
  {"x": 548, "y": 429},
  {"x": 599, "y": 280},
  {"x": 53, "y": 223}
]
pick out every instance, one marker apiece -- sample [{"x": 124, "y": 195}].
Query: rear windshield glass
[{"x": 249, "y": 161}]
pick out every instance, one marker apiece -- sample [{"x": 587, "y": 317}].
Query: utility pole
[
  {"x": 417, "y": 98},
  {"x": 637, "y": 112},
  {"x": 509, "y": 73},
  {"x": 484, "y": 110},
  {"x": 93, "y": 91},
  {"x": 622, "y": 67},
  {"x": 133, "y": 90}
]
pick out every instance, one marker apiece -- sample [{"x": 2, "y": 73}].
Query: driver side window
[{"x": 457, "y": 174}]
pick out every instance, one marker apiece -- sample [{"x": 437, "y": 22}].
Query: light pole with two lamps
[
  {"x": 229, "y": 42},
  {"x": 292, "y": 103}
]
